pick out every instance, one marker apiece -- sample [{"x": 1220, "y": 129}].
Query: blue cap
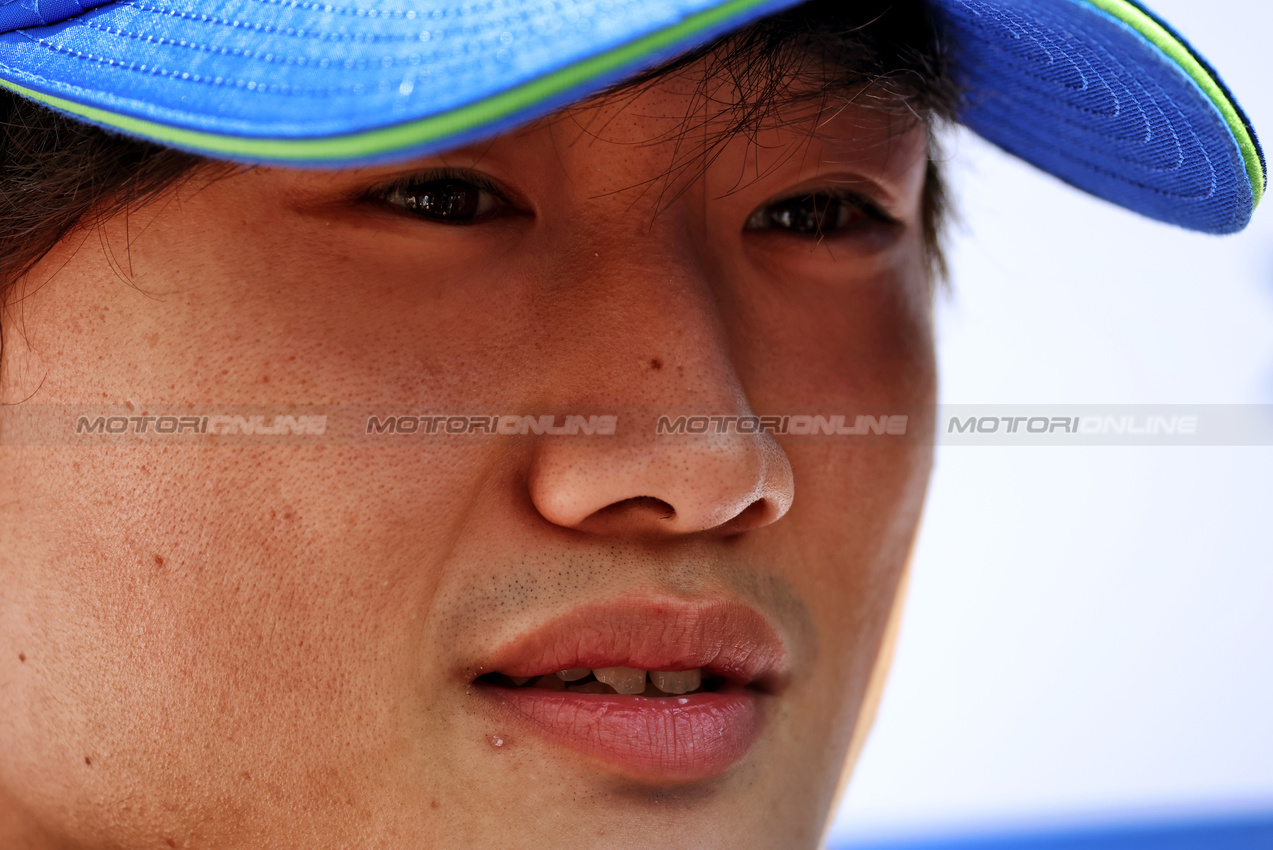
[{"x": 1101, "y": 93}]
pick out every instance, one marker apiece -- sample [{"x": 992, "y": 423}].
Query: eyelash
[
  {"x": 763, "y": 217},
  {"x": 408, "y": 195},
  {"x": 404, "y": 193}
]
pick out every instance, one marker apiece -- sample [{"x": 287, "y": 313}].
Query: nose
[
  {"x": 657, "y": 345},
  {"x": 730, "y": 485}
]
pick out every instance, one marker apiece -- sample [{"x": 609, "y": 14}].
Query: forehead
[
  {"x": 699, "y": 108},
  {"x": 671, "y": 129}
]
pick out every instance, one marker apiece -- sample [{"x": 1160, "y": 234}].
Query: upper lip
[{"x": 725, "y": 638}]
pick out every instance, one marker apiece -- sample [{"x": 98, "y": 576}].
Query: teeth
[
  {"x": 625, "y": 680},
  {"x": 622, "y": 680},
  {"x": 677, "y": 683}
]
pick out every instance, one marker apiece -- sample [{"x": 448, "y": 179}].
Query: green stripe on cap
[
  {"x": 438, "y": 127},
  {"x": 1180, "y": 53}
]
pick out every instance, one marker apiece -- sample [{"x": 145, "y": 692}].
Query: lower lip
[{"x": 687, "y": 739}]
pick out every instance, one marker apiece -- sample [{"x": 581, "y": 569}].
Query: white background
[{"x": 1090, "y": 631}]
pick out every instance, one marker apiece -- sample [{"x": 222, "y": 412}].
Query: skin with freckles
[{"x": 275, "y": 645}]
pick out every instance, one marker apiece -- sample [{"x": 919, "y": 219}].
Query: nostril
[
  {"x": 638, "y": 504},
  {"x": 757, "y": 513}
]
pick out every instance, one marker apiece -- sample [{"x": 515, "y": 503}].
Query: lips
[{"x": 681, "y": 737}]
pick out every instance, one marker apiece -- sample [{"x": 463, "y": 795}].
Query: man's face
[{"x": 278, "y": 644}]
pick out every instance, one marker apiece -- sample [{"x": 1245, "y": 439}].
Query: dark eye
[
  {"x": 818, "y": 214},
  {"x": 446, "y": 200}
]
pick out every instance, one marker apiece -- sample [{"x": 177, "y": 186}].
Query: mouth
[{"x": 660, "y": 691}]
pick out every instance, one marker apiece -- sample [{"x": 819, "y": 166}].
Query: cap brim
[
  {"x": 332, "y": 86},
  {"x": 1098, "y": 92},
  {"x": 1107, "y": 97}
]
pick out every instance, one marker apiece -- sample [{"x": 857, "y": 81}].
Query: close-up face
[{"x": 355, "y": 641}]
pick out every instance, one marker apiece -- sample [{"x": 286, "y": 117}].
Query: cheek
[
  {"x": 267, "y": 307},
  {"x": 859, "y": 341},
  {"x": 223, "y": 597}
]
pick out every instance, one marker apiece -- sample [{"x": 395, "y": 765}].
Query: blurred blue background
[{"x": 1086, "y": 659}]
